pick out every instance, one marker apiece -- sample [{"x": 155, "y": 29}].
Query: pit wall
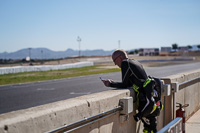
[{"x": 51, "y": 116}]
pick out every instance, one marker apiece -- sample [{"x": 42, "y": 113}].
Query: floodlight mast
[
  {"x": 30, "y": 55},
  {"x": 79, "y": 43},
  {"x": 29, "y": 52}
]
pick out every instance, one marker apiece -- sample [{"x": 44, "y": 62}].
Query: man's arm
[{"x": 125, "y": 77}]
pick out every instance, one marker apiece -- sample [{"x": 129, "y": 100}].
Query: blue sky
[{"x": 56, "y": 24}]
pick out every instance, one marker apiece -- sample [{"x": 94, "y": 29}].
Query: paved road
[
  {"x": 21, "y": 96},
  {"x": 192, "y": 125}
]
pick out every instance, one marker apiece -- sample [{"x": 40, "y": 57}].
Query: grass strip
[{"x": 53, "y": 74}]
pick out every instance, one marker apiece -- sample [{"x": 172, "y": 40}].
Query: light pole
[
  {"x": 41, "y": 54},
  {"x": 29, "y": 52},
  {"x": 4, "y": 55},
  {"x": 30, "y": 56},
  {"x": 119, "y": 44},
  {"x": 79, "y": 43},
  {"x": 42, "y": 61}
]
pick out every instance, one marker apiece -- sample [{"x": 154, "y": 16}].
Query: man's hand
[
  {"x": 107, "y": 82},
  {"x": 137, "y": 117}
]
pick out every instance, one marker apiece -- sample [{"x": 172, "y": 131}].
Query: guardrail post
[
  {"x": 166, "y": 88},
  {"x": 166, "y": 92},
  {"x": 175, "y": 87}
]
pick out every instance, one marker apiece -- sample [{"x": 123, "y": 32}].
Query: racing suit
[{"x": 134, "y": 75}]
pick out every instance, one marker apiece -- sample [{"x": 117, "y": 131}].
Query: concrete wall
[
  {"x": 51, "y": 116},
  {"x": 18, "y": 69},
  {"x": 189, "y": 95}
]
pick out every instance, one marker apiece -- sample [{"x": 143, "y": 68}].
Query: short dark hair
[{"x": 121, "y": 52}]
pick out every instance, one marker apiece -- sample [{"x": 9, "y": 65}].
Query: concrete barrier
[
  {"x": 188, "y": 95},
  {"x": 47, "y": 117},
  {"x": 18, "y": 69},
  {"x": 51, "y": 116}
]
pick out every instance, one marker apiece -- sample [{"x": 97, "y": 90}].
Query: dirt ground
[{"x": 107, "y": 62}]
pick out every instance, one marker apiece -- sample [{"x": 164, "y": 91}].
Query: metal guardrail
[
  {"x": 188, "y": 83},
  {"x": 174, "y": 126},
  {"x": 179, "y": 86},
  {"x": 76, "y": 125}
]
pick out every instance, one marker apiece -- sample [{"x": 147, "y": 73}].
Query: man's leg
[
  {"x": 150, "y": 123},
  {"x": 153, "y": 119},
  {"x": 146, "y": 123},
  {"x": 153, "y": 124}
]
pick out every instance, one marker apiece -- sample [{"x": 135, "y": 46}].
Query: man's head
[{"x": 118, "y": 56}]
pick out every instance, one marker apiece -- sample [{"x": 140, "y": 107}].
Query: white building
[
  {"x": 166, "y": 49},
  {"x": 149, "y": 51}
]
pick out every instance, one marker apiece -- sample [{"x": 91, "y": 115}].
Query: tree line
[{"x": 175, "y": 46}]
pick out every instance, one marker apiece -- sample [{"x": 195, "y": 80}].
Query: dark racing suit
[{"x": 134, "y": 75}]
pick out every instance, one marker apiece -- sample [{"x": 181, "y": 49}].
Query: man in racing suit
[{"x": 134, "y": 75}]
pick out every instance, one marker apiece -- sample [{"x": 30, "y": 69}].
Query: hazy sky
[{"x": 56, "y": 24}]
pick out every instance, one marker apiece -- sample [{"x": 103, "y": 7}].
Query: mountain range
[{"x": 44, "y": 53}]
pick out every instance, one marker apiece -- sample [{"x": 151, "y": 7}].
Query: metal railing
[
  {"x": 188, "y": 83},
  {"x": 174, "y": 126},
  {"x": 179, "y": 86},
  {"x": 76, "y": 125}
]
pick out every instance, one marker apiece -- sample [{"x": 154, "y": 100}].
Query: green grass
[{"x": 54, "y": 74}]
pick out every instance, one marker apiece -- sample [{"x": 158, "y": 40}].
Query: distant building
[
  {"x": 165, "y": 51},
  {"x": 183, "y": 48},
  {"x": 149, "y": 51}
]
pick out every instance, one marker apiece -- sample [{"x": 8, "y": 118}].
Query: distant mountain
[{"x": 44, "y": 53}]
